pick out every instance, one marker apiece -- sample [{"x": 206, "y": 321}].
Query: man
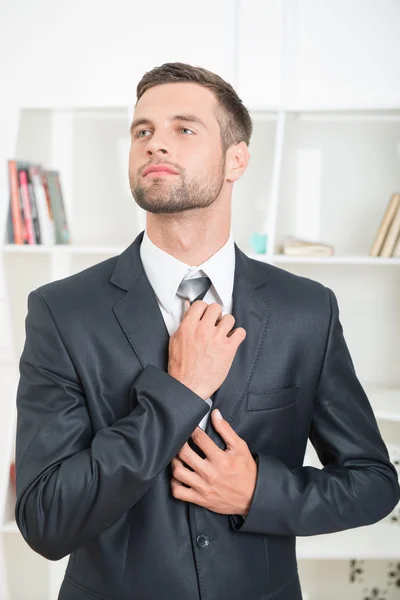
[{"x": 120, "y": 461}]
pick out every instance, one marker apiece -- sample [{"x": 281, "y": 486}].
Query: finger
[
  {"x": 187, "y": 494},
  {"x": 228, "y": 434},
  {"x": 226, "y": 324},
  {"x": 184, "y": 475},
  {"x": 238, "y": 334},
  {"x": 186, "y": 306},
  {"x": 205, "y": 443},
  {"x": 181, "y": 492},
  {"x": 212, "y": 314},
  {"x": 195, "y": 311},
  {"x": 191, "y": 459}
]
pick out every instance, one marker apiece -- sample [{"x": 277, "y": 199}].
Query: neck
[{"x": 191, "y": 237}]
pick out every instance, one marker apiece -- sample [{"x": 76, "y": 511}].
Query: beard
[{"x": 161, "y": 196}]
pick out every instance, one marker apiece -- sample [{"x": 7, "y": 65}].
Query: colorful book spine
[
  {"x": 23, "y": 181},
  {"x": 16, "y": 217}
]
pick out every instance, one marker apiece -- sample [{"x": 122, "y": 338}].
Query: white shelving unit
[
  {"x": 348, "y": 274},
  {"x": 321, "y": 167}
]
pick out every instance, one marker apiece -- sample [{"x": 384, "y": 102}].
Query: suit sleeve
[
  {"x": 357, "y": 486},
  {"x": 71, "y": 484}
]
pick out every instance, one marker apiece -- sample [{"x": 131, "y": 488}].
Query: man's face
[{"x": 180, "y": 129}]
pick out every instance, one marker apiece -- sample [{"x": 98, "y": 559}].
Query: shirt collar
[{"x": 165, "y": 272}]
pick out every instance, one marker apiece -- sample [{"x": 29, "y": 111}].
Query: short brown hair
[{"x": 233, "y": 117}]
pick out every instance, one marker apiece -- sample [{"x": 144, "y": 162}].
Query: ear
[{"x": 237, "y": 158}]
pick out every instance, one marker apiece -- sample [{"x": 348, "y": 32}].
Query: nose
[{"x": 157, "y": 145}]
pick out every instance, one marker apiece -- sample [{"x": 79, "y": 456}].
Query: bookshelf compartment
[
  {"x": 338, "y": 172},
  {"x": 104, "y": 211},
  {"x": 90, "y": 149}
]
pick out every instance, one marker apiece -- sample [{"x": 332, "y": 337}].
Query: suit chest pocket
[{"x": 272, "y": 399}]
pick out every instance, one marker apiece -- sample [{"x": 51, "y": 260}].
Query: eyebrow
[{"x": 185, "y": 117}]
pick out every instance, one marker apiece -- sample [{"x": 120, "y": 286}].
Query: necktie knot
[{"x": 194, "y": 289}]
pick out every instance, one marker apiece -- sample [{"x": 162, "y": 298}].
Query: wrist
[{"x": 188, "y": 384}]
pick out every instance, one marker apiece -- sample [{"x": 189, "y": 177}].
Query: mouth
[
  {"x": 159, "y": 170},
  {"x": 160, "y": 173}
]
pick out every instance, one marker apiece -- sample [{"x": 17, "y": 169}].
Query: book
[
  {"x": 57, "y": 205},
  {"x": 46, "y": 223},
  {"x": 9, "y": 227},
  {"x": 36, "y": 212},
  {"x": 15, "y": 202},
  {"x": 391, "y": 236},
  {"x": 298, "y": 247},
  {"x": 387, "y": 218},
  {"x": 308, "y": 250},
  {"x": 33, "y": 201},
  {"x": 396, "y": 251},
  {"x": 24, "y": 166},
  {"x": 23, "y": 185}
]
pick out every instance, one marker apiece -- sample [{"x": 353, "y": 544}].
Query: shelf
[
  {"x": 60, "y": 249},
  {"x": 325, "y": 260},
  {"x": 380, "y": 541},
  {"x": 271, "y": 258}
]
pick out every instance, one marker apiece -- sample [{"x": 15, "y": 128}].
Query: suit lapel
[
  {"x": 252, "y": 312},
  {"x": 138, "y": 312},
  {"x": 140, "y": 318}
]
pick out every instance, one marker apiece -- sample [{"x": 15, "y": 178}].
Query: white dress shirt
[{"x": 165, "y": 273}]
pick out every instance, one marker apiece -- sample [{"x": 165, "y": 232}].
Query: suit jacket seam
[
  {"x": 328, "y": 336},
  {"x": 85, "y": 590},
  {"x": 127, "y": 554},
  {"x": 273, "y": 593},
  {"x": 255, "y": 360},
  {"x": 60, "y": 336}
]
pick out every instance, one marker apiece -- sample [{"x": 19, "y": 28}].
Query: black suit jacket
[{"x": 100, "y": 419}]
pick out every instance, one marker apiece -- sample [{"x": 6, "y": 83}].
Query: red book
[
  {"x": 16, "y": 216},
  {"x": 23, "y": 180}
]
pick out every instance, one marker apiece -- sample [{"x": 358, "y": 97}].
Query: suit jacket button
[{"x": 202, "y": 541}]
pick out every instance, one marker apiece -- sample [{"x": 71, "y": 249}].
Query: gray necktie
[{"x": 194, "y": 289}]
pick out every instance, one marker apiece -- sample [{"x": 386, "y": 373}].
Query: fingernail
[{"x": 218, "y": 414}]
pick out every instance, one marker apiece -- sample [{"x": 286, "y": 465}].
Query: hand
[
  {"x": 202, "y": 349},
  {"x": 225, "y": 480}
]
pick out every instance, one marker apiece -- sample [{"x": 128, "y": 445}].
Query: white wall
[{"x": 94, "y": 52}]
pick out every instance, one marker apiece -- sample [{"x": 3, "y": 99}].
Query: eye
[{"x": 137, "y": 134}]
